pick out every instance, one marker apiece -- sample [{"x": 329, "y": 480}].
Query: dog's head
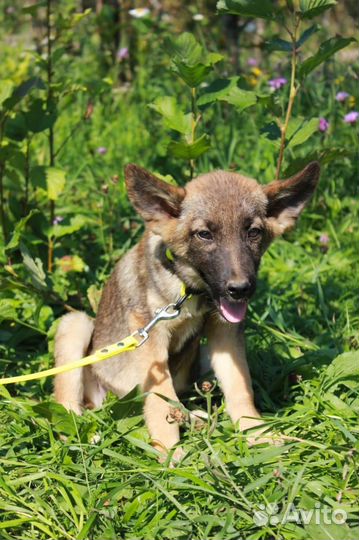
[{"x": 219, "y": 226}]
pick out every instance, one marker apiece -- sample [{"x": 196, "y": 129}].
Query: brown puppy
[{"x": 217, "y": 229}]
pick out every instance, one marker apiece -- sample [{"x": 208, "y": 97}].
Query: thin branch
[
  {"x": 2, "y": 203},
  {"x": 51, "y": 129},
  {"x": 27, "y": 175},
  {"x": 2, "y": 195},
  {"x": 292, "y": 94},
  {"x": 194, "y": 125}
]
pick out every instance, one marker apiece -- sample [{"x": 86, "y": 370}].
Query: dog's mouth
[{"x": 233, "y": 311}]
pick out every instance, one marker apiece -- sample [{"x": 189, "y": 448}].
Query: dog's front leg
[
  {"x": 228, "y": 358},
  {"x": 163, "y": 432}
]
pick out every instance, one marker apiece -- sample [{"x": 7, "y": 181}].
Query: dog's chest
[{"x": 189, "y": 323}]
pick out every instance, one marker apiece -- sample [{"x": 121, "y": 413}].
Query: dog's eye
[
  {"x": 254, "y": 233},
  {"x": 205, "y": 235}
]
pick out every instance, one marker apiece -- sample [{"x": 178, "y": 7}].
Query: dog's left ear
[
  {"x": 154, "y": 199},
  {"x": 287, "y": 198}
]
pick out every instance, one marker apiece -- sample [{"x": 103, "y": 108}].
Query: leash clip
[{"x": 172, "y": 311}]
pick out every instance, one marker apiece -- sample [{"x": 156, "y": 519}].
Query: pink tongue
[{"x": 233, "y": 312}]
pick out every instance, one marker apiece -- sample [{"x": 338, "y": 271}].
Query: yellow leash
[{"x": 129, "y": 343}]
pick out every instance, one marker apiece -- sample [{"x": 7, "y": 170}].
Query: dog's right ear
[
  {"x": 154, "y": 199},
  {"x": 287, "y": 198}
]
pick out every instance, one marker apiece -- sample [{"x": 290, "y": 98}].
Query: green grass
[
  {"x": 96, "y": 477},
  {"x": 103, "y": 479}
]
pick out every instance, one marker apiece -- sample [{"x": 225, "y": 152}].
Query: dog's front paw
[
  {"x": 175, "y": 457},
  {"x": 72, "y": 406}
]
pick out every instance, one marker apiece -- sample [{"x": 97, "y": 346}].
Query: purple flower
[
  {"x": 324, "y": 242},
  {"x": 323, "y": 125},
  {"x": 252, "y": 62},
  {"x": 341, "y": 96},
  {"x": 277, "y": 83},
  {"x": 102, "y": 150},
  {"x": 57, "y": 220},
  {"x": 351, "y": 117},
  {"x": 122, "y": 54}
]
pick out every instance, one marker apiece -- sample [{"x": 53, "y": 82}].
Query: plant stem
[
  {"x": 2, "y": 196},
  {"x": 27, "y": 175},
  {"x": 194, "y": 124},
  {"x": 51, "y": 129},
  {"x": 292, "y": 94},
  {"x": 2, "y": 203},
  {"x": 49, "y": 79}
]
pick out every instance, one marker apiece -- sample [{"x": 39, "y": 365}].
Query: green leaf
[
  {"x": 94, "y": 296},
  {"x": 190, "y": 151},
  {"x": 278, "y": 44},
  {"x": 78, "y": 17},
  {"x": 227, "y": 90},
  {"x": 8, "y": 308},
  {"x": 331, "y": 531},
  {"x": 34, "y": 268},
  {"x": 344, "y": 367},
  {"x": 312, "y": 8},
  {"x": 190, "y": 61},
  {"x": 6, "y": 87},
  {"x": 166, "y": 178},
  {"x": 339, "y": 405},
  {"x": 76, "y": 223},
  {"x": 326, "y": 50},
  {"x": 174, "y": 118},
  {"x": 325, "y": 156},
  {"x": 192, "y": 75},
  {"x": 22, "y": 90},
  {"x": 57, "y": 54},
  {"x": 55, "y": 181},
  {"x": 130, "y": 405},
  {"x": 186, "y": 49},
  {"x": 61, "y": 420},
  {"x": 217, "y": 90},
  {"x": 15, "y": 127},
  {"x": 38, "y": 176},
  {"x": 40, "y": 117},
  {"x": 19, "y": 228},
  {"x": 264, "y": 9},
  {"x": 307, "y": 34},
  {"x": 241, "y": 99},
  {"x": 299, "y": 131},
  {"x": 271, "y": 131},
  {"x": 71, "y": 263}
]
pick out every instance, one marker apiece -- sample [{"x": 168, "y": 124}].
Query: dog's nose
[{"x": 238, "y": 289}]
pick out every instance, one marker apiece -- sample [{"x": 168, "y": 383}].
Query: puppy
[{"x": 216, "y": 230}]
